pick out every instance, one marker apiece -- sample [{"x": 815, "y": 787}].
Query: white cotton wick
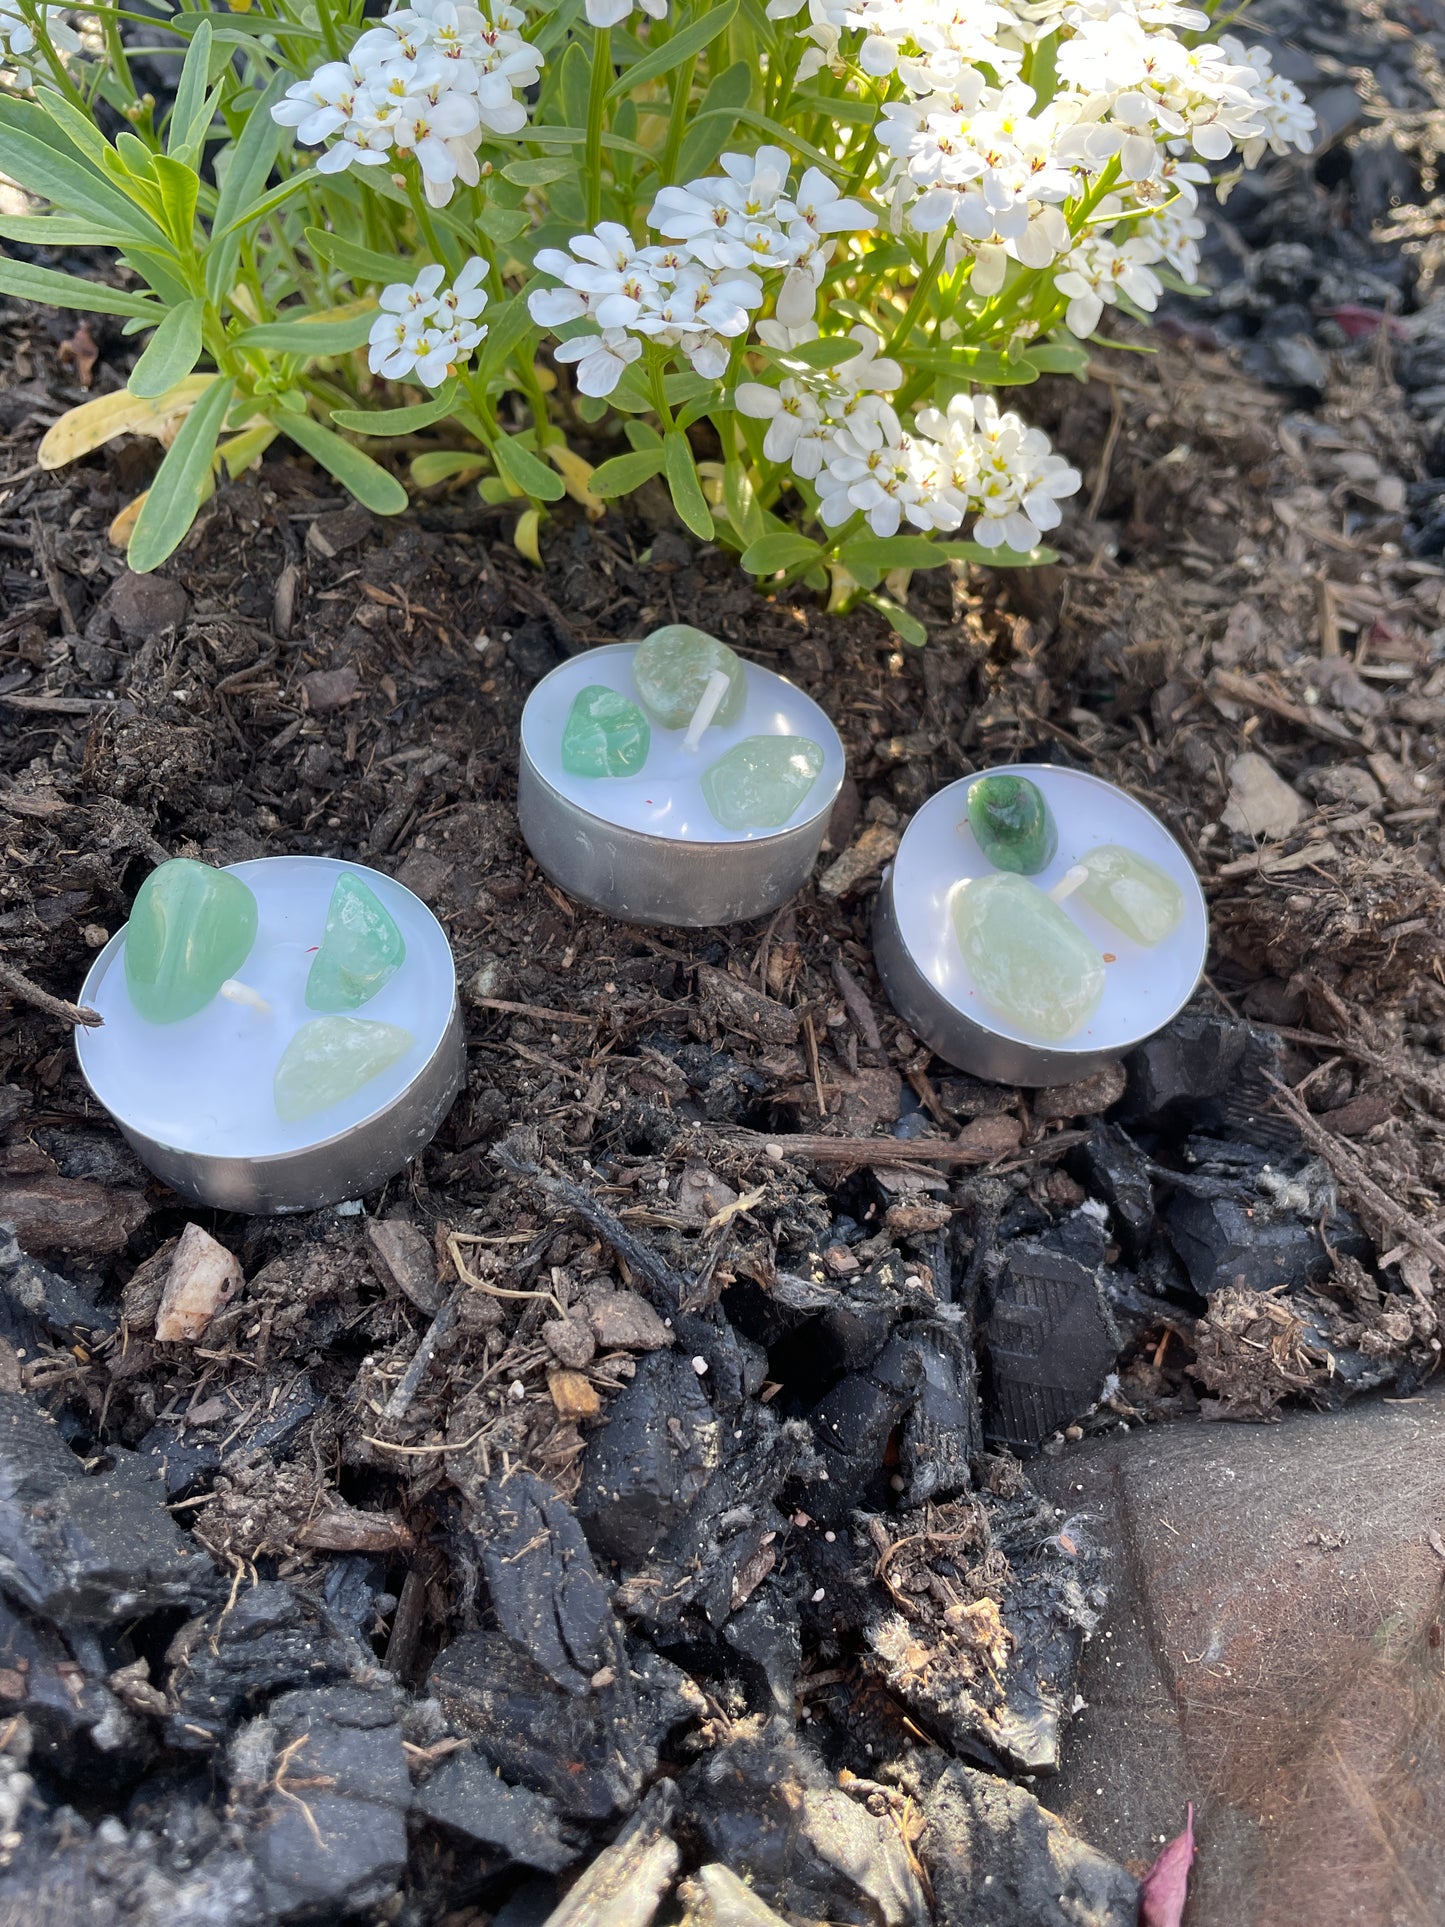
[
  {"x": 235, "y": 992},
  {"x": 718, "y": 685},
  {"x": 1069, "y": 882}
]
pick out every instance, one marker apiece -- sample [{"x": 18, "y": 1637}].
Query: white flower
[
  {"x": 609, "y": 13},
  {"x": 1099, "y": 270},
  {"x": 601, "y": 359},
  {"x": 425, "y": 329},
  {"x": 18, "y": 41},
  {"x": 795, "y": 423},
  {"x": 1019, "y": 481}
]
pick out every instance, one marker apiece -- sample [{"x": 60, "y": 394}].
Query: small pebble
[
  {"x": 518, "y": 1389},
  {"x": 775, "y": 1152},
  {"x": 831, "y": 1537},
  {"x": 820, "y": 1594},
  {"x": 699, "y": 1365}
]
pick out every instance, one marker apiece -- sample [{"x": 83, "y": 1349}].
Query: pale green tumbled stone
[
  {"x": 361, "y": 950},
  {"x": 671, "y": 670},
  {"x": 191, "y": 928},
  {"x": 1132, "y": 893},
  {"x": 1026, "y": 957},
  {"x": 604, "y": 735},
  {"x": 761, "y": 781},
  {"x": 331, "y": 1057}
]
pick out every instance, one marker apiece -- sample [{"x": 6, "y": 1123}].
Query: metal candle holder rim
[
  {"x": 699, "y": 843},
  {"x": 318, "y": 1153},
  {"x": 925, "y": 1007}
]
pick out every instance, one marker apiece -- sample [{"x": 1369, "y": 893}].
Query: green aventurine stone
[
  {"x": 331, "y": 1057},
  {"x": 361, "y": 950},
  {"x": 761, "y": 781},
  {"x": 605, "y": 734},
  {"x": 1132, "y": 893},
  {"x": 192, "y": 927},
  {"x": 1014, "y": 825},
  {"x": 1027, "y": 959},
  {"x": 671, "y": 670}
]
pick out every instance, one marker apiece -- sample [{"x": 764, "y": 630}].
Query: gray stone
[{"x": 510, "y": 1823}]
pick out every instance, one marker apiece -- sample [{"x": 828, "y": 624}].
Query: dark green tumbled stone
[{"x": 1014, "y": 825}]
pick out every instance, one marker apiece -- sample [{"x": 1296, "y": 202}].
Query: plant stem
[
  {"x": 596, "y": 108},
  {"x": 677, "y": 120},
  {"x": 918, "y": 301}
]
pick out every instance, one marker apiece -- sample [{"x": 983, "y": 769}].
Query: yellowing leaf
[
  {"x": 525, "y": 536},
  {"x": 123, "y": 527},
  {"x": 576, "y": 474},
  {"x": 93, "y": 423}
]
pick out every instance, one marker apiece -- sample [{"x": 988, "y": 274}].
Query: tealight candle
[
  {"x": 277, "y": 1035},
  {"x": 671, "y": 781},
  {"x": 1037, "y": 923}
]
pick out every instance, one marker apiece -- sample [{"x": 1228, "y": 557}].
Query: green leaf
[
  {"x": 58, "y": 290},
  {"x": 187, "y": 124},
  {"x": 304, "y": 337},
  {"x": 170, "y": 354},
  {"x": 1059, "y": 357},
  {"x": 502, "y": 224},
  {"x": 367, "y": 480},
  {"x": 531, "y": 173},
  {"x": 55, "y": 231},
  {"x": 773, "y": 552},
  {"x": 251, "y": 163},
  {"x": 741, "y": 504},
  {"x": 997, "y": 558},
  {"x": 181, "y": 482},
  {"x": 626, "y": 472},
  {"x": 179, "y": 188},
  {"x": 682, "y": 482},
  {"x": 819, "y": 354},
  {"x": 725, "y": 95},
  {"x": 441, "y": 464},
  {"x": 361, "y": 264},
  {"x": 899, "y": 621},
  {"x": 642, "y": 435},
  {"x": 398, "y": 421},
  {"x": 69, "y": 182},
  {"x": 574, "y": 83},
  {"x": 682, "y": 46},
  {"x": 508, "y": 327},
  {"x": 886, "y": 552},
  {"x": 526, "y": 471},
  {"x": 975, "y": 364},
  {"x": 785, "y": 137}
]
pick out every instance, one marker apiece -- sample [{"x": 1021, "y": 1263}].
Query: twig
[
  {"x": 469, "y": 1277},
  {"x": 534, "y": 1010},
  {"x": 57, "y": 1007},
  {"x": 1355, "y": 1178},
  {"x": 638, "y": 1256},
  {"x": 1106, "y": 458},
  {"x": 855, "y": 1002},
  {"x": 887, "y": 1150},
  {"x": 399, "y": 1403}
]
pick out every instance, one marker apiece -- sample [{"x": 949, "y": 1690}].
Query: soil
[{"x": 1247, "y": 569}]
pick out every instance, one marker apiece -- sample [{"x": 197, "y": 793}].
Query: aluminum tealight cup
[
  {"x": 684, "y": 870},
  {"x": 921, "y": 964}
]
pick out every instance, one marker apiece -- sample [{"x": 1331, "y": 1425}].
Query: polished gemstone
[
  {"x": 672, "y": 668},
  {"x": 1132, "y": 893},
  {"x": 190, "y": 929},
  {"x": 330, "y": 1058},
  {"x": 1027, "y": 958},
  {"x": 605, "y": 734},
  {"x": 1014, "y": 825},
  {"x": 761, "y": 781},
  {"x": 361, "y": 950}
]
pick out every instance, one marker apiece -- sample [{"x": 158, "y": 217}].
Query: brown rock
[
  {"x": 621, "y": 1321},
  {"x": 53, "y": 1214},
  {"x": 738, "y": 1006},
  {"x": 870, "y": 1098},
  {"x": 701, "y": 1194},
  {"x": 1362, "y": 1113},
  {"x": 327, "y": 689},
  {"x": 864, "y": 859},
  {"x": 1086, "y": 1097},
  {"x": 992, "y": 1137},
  {"x": 404, "y": 1257},
  {"x": 574, "y": 1395},
  {"x": 140, "y": 606},
  {"x": 338, "y": 530},
  {"x": 570, "y": 1340},
  {"x": 1274, "y": 1655},
  {"x": 203, "y": 1276}
]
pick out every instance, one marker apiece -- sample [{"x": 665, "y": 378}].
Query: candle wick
[
  {"x": 1069, "y": 882},
  {"x": 235, "y": 992},
  {"x": 718, "y": 684}
]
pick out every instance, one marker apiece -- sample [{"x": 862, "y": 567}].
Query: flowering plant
[{"x": 776, "y": 253}]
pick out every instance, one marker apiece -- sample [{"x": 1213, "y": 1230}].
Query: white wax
[
  {"x": 665, "y": 797},
  {"x": 204, "y": 1085},
  {"x": 1143, "y": 985}
]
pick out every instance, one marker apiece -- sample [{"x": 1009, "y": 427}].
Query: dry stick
[
  {"x": 1355, "y": 1178},
  {"x": 639, "y": 1257},
  {"x": 534, "y": 1010},
  {"x": 399, "y": 1403},
  {"x": 855, "y": 1002},
  {"x": 28, "y": 993},
  {"x": 887, "y": 1150}
]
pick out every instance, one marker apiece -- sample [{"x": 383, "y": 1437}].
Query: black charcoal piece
[
  {"x": 227, "y": 1662},
  {"x": 509, "y": 1823},
  {"x": 187, "y": 1463},
  {"x": 854, "y": 1423},
  {"x": 543, "y": 1584},
  {"x": 943, "y": 1430},
  {"x": 591, "y": 1755},
  {"x": 1112, "y": 1168},
  {"x": 650, "y": 1461},
  {"x": 1225, "y": 1241},
  {"x": 330, "y": 1828},
  {"x": 993, "y": 1854},
  {"x": 767, "y": 1640},
  {"x": 80, "y": 1733},
  {"x": 65, "y": 1873},
  {"x": 1196, "y": 1073},
  {"x": 82, "y": 1548},
  {"x": 34, "y": 1299},
  {"x": 1050, "y": 1343},
  {"x": 765, "y": 1806}
]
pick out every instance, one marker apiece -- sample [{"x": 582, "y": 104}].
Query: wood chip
[{"x": 574, "y": 1395}]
